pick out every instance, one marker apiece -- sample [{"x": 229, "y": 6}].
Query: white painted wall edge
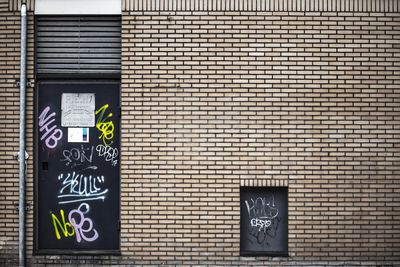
[{"x": 77, "y": 7}]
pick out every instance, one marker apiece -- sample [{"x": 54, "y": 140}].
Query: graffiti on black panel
[
  {"x": 77, "y": 224},
  {"x": 49, "y": 132},
  {"x": 105, "y": 125},
  {"x": 79, "y": 188},
  {"x": 263, "y": 220},
  {"x": 78, "y": 157},
  {"x": 108, "y": 153}
]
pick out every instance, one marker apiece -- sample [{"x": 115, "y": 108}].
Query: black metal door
[{"x": 78, "y": 167}]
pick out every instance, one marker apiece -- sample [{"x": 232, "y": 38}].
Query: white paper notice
[
  {"x": 77, "y": 110},
  {"x": 78, "y": 135}
]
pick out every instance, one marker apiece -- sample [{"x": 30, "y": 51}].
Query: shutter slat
[
  {"x": 77, "y": 40},
  {"x": 67, "y": 55},
  {"x": 73, "y": 45},
  {"x": 50, "y": 51},
  {"x": 78, "y": 45},
  {"x": 77, "y": 32}
]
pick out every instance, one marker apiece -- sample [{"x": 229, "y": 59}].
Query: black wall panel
[
  {"x": 78, "y": 167},
  {"x": 264, "y": 221}
]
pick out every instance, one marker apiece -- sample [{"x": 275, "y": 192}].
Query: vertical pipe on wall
[{"x": 21, "y": 154}]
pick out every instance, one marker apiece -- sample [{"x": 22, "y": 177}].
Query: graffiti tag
[
  {"x": 108, "y": 153},
  {"x": 66, "y": 227},
  {"x": 77, "y": 224},
  {"x": 262, "y": 213},
  {"x": 105, "y": 125},
  {"x": 79, "y": 188},
  {"x": 51, "y": 135},
  {"x": 77, "y": 156}
]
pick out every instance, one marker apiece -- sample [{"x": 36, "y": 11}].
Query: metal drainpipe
[{"x": 21, "y": 154}]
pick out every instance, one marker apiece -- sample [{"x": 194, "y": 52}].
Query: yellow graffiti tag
[
  {"x": 105, "y": 127},
  {"x": 63, "y": 225}
]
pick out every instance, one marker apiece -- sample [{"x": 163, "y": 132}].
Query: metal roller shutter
[{"x": 78, "y": 46}]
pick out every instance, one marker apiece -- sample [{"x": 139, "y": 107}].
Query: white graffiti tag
[
  {"x": 109, "y": 153},
  {"x": 79, "y": 188},
  {"x": 261, "y": 212},
  {"x": 77, "y": 156}
]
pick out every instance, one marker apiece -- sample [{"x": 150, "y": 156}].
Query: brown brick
[{"x": 214, "y": 101}]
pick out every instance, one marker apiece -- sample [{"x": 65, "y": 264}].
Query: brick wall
[
  {"x": 213, "y": 101},
  {"x": 9, "y": 139},
  {"x": 246, "y": 5}
]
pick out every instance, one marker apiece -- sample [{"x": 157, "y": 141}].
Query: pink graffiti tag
[
  {"x": 52, "y": 134},
  {"x": 82, "y": 226}
]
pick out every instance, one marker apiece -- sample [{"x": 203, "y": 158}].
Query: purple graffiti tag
[
  {"x": 82, "y": 225},
  {"x": 52, "y": 134}
]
